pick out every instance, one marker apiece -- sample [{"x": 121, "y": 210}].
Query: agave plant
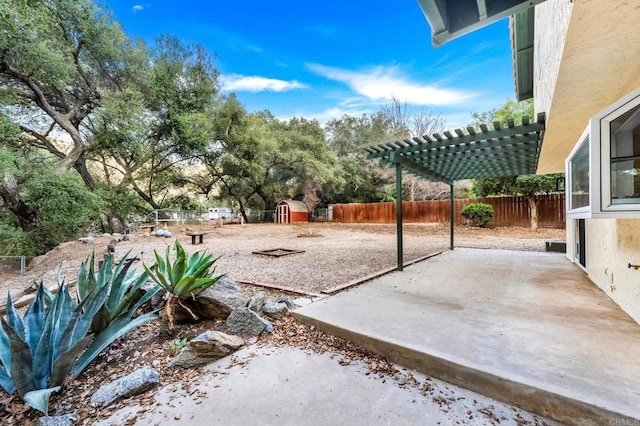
[
  {"x": 54, "y": 338},
  {"x": 38, "y": 350},
  {"x": 114, "y": 319},
  {"x": 184, "y": 277}
]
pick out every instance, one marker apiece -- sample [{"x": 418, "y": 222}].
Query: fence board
[{"x": 509, "y": 211}]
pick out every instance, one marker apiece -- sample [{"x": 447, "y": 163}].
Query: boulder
[
  {"x": 207, "y": 347},
  {"x": 66, "y": 420},
  {"x": 256, "y": 301},
  {"x": 275, "y": 310},
  {"x": 133, "y": 384},
  {"x": 244, "y": 320},
  {"x": 219, "y": 300}
]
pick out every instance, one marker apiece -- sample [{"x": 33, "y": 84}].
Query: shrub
[
  {"x": 185, "y": 277},
  {"x": 479, "y": 213}
]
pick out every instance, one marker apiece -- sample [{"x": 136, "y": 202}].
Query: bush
[{"x": 479, "y": 213}]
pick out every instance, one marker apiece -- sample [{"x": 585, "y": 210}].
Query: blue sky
[{"x": 322, "y": 59}]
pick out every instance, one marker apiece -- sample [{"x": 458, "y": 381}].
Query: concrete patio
[{"x": 527, "y": 328}]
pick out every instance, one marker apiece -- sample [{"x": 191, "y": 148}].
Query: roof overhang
[
  {"x": 450, "y": 19},
  {"x": 522, "y": 35},
  {"x": 599, "y": 65},
  {"x": 471, "y": 154}
]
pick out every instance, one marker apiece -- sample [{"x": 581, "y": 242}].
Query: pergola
[{"x": 471, "y": 154}]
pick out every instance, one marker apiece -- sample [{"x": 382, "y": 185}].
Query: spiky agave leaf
[
  {"x": 63, "y": 364},
  {"x": 116, "y": 329},
  {"x": 21, "y": 361},
  {"x": 34, "y": 319},
  {"x": 13, "y": 318},
  {"x": 39, "y": 399}
]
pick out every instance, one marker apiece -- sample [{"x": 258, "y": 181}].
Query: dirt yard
[{"x": 334, "y": 254}]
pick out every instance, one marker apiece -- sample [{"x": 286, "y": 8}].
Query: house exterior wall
[
  {"x": 551, "y": 24},
  {"x": 611, "y": 245},
  {"x": 586, "y": 58}
]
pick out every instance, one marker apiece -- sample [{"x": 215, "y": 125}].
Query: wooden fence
[{"x": 509, "y": 211}]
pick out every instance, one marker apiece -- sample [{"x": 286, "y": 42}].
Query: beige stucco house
[{"x": 580, "y": 61}]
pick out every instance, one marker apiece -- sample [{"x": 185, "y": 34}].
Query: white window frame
[{"x": 598, "y": 132}]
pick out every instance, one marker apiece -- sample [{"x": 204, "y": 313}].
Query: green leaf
[
  {"x": 13, "y": 318},
  {"x": 5, "y": 350},
  {"x": 39, "y": 399},
  {"x": 88, "y": 311},
  {"x": 181, "y": 288},
  {"x": 134, "y": 293},
  {"x": 178, "y": 270},
  {"x": 34, "y": 319},
  {"x": 118, "y": 328},
  {"x": 119, "y": 282},
  {"x": 22, "y": 362},
  {"x": 201, "y": 284},
  {"x": 203, "y": 269},
  {"x": 63, "y": 365},
  {"x": 167, "y": 271},
  {"x": 6, "y": 382}
]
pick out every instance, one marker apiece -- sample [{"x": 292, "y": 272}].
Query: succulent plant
[
  {"x": 115, "y": 317},
  {"x": 184, "y": 277},
  {"x": 59, "y": 335},
  {"x": 38, "y": 350}
]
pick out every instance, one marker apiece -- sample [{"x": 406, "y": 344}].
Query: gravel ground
[{"x": 334, "y": 253}]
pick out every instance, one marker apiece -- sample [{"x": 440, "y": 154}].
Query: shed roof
[
  {"x": 295, "y": 206},
  {"x": 471, "y": 154}
]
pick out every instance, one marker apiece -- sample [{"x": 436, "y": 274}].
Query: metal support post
[
  {"x": 399, "y": 215},
  {"x": 452, "y": 217}
]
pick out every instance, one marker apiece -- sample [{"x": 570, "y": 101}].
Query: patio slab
[{"x": 527, "y": 328}]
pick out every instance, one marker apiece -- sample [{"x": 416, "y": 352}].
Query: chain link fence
[
  {"x": 14, "y": 264},
  {"x": 187, "y": 217}
]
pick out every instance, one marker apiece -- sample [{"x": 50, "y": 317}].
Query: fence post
[{"x": 23, "y": 265}]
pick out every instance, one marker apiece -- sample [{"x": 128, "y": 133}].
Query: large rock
[
  {"x": 219, "y": 300},
  {"x": 133, "y": 384},
  {"x": 207, "y": 347},
  {"x": 244, "y": 320},
  {"x": 275, "y": 310},
  {"x": 65, "y": 420}
]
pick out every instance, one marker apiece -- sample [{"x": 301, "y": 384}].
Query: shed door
[{"x": 283, "y": 213}]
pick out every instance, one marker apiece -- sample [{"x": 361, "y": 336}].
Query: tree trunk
[
  {"x": 533, "y": 204},
  {"x": 27, "y": 218},
  {"x": 81, "y": 167}
]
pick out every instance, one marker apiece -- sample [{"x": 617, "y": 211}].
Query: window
[
  {"x": 603, "y": 170},
  {"x": 625, "y": 157},
  {"x": 579, "y": 172}
]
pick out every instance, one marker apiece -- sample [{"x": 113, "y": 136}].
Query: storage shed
[{"x": 288, "y": 211}]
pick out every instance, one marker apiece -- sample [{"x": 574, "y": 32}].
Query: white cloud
[
  {"x": 384, "y": 83},
  {"x": 138, "y": 8},
  {"x": 253, "y": 83}
]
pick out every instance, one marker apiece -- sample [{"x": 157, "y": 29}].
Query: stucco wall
[
  {"x": 551, "y": 23},
  {"x": 570, "y": 240},
  {"x": 611, "y": 245}
]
